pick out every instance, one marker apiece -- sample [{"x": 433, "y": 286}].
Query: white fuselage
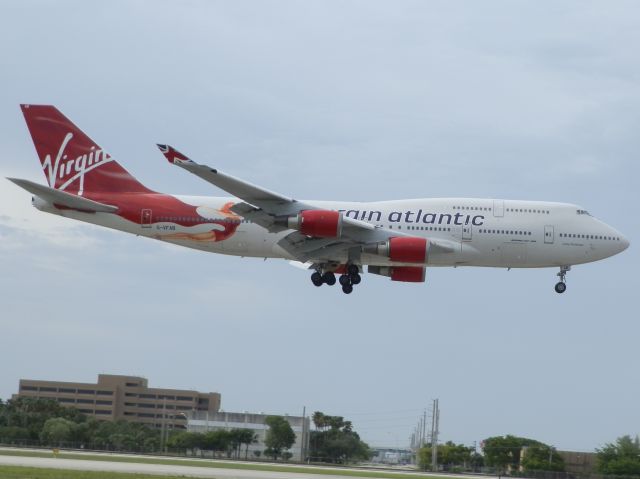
[{"x": 462, "y": 231}]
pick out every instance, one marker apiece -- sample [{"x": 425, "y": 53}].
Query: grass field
[
  {"x": 200, "y": 463},
  {"x": 11, "y": 472}
]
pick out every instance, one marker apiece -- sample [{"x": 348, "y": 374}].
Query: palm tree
[
  {"x": 247, "y": 438},
  {"x": 319, "y": 420}
]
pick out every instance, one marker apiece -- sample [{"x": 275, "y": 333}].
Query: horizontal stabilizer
[{"x": 61, "y": 198}]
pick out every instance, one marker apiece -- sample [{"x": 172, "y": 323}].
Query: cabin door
[
  {"x": 146, "y": 217},
  {"x": 548, "y": 234}
]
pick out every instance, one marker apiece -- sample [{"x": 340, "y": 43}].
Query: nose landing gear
[{"x": 561, "y": 286}]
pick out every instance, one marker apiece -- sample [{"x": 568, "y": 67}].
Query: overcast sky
[{"x": 344, "y": 100}]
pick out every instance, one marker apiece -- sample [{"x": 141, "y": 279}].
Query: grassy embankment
[
  {"x": 205, "y": 463},
  {"x": 16, "y": 472}
]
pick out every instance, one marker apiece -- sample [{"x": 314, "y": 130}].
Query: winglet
[{"x": 173, "y": 155}]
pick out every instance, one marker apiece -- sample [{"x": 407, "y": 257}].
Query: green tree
[
  {"x": 506, "y": 453},
  {"x": 183, "y": 440},
  {"x": 218, "y": 440},
  {"x": 319, "y": 420},
  {"x": 247, "y": 437},
  {"x": 450, "y": 456},
  {"x": 621, "y": 457},
  {"x": 238, "y": 437},
  {"x": 125, "y": 436},
  {"x": 334, "y": 440},
  {"x": 540, "y": 457},
  {"x": 14, "y": 434},
  {"x": 57, "y": 431},
  {"x": 280, "y": 436},
  {"x": 31, "y": 414}
]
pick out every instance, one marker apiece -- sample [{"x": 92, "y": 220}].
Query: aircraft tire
[
  {"x": 316, "y": 279},
  {"x": 561, "y": 287},
  {"x": 353, "y": 269},
  {"x": 347, "y": 288},
  {"x": 355, "y": 278},
  {"x": 329, "y": 278}
]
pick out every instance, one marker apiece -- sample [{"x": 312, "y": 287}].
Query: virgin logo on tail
[{"x": 78, "y": 167}]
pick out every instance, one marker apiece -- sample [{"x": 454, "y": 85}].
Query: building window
[
  {"x": 105, "y": 403},
  {"x": 106, "y": 393},
  {"x": 48, "y": 390},
  {"x": 67, "y": 390},
  {"x": 85, "y": 401},
  {"x": 148, "y": 396},
  {"x": 185, "y": 398},
  {"x": 103, "y": 412},
  {"x": 86, "y": 391},
  {"x": 29, "y": 388}
]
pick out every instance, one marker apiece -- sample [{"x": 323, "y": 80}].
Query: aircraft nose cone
[{"x": 624, "y": 243}]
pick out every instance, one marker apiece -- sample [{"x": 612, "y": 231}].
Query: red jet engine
[{"x": 318, "y": 223}]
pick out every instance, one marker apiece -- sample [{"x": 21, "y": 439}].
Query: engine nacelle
[
  {"x": 407, "y": 274},
  {"x": 404, "y": 249},
  {"x": 317, "y": 223}
]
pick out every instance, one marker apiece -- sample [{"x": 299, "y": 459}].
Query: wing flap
[{"x": 61, "y": 198}]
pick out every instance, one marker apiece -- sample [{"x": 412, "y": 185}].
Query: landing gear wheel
[
  {"x": 352, "y": 269},
  {"x": 347, "y": 288},
  {"x": 561, "y": 287},
  {"x": 316, "y": 279},
  {"x": 344, "y": 280},
  {"x": 329, "y": 278},
  {"x": 355, "y": 278}
]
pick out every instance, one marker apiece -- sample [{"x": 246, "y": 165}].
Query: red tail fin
[{"x": 70, "y": 159}]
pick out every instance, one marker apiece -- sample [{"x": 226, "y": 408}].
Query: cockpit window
[{"x": 583, "y": 212}]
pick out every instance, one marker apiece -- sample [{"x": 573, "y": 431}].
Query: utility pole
[
  {"x": 435, "y": 423},
  {"x": 303, "y": 442},
  {"x": 423, "y": 440}
]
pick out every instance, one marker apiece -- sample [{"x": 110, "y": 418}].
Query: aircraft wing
[
  {"x": 263, "y": 207},
  {"x": 62, "y": 198},
  {"x": 269, "y": 201}
]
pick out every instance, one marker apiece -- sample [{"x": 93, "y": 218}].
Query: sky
[{"x": 340, "y": 100}]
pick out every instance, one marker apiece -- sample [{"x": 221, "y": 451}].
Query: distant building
[
  {"x": 129, "y": 398},
  {"x": 391, "y": 455},
  {"x": 200, "y": 421},
  {"x": 579, "y": 462}
]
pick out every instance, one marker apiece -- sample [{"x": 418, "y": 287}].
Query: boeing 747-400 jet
[{"x": 398, "y": 239}]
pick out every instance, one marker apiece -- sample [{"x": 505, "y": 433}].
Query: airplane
[{"x": 396, "y": 239}]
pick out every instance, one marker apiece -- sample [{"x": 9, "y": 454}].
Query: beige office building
[
  {"x": 129, "y": 398},
  {"x": 204, "y": 422}
]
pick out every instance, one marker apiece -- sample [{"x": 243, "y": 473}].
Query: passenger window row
[
  {"x": 527, "y": 210},
  {"x": 506, "y": 232},
  {"x": 597, "y": 237},
  {"x": 474, "y": 208},
  {"x": 428, "y": 228}
]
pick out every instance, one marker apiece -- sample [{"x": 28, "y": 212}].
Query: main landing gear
[
  {"x": 348, "y": 280},
  {"x": 561, "y": 286}
]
